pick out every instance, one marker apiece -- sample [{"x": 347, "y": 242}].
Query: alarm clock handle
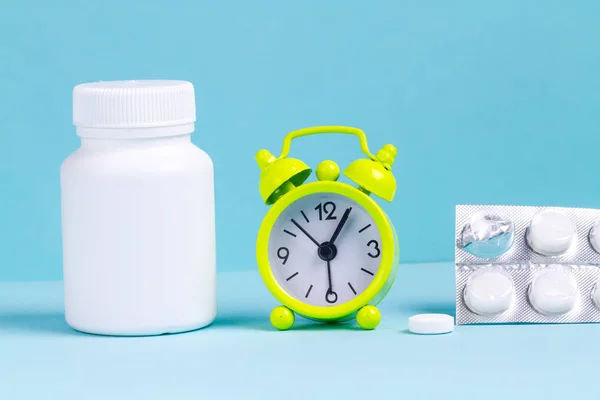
[{"x": 317, "y": 130}]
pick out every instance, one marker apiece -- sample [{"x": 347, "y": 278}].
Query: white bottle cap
[
  {"x": 431, "y": 324},
  {"x": 134, "y": 109}
]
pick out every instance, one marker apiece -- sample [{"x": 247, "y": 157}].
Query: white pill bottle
[{"x": 138, "y": 218}]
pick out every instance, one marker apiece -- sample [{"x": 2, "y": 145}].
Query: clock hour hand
[
  {"x": 306, "y": 233},
  {"x": 340, "y": 225}
]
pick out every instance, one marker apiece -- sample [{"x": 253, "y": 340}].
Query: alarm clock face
[{"x": 324, "y": 249}]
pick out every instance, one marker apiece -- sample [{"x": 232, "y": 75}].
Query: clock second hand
[
  {"x": 330, "y": 290},
  {"x": 329, "y": 276}
]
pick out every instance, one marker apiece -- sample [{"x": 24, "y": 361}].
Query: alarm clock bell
[
  {"x": 375, "y": 175},
  {"x": 372, "y": 175},
  {"x": 279, "y": 176}
]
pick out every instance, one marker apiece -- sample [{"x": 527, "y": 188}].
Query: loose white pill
[
  {"x": 431, "y": 324},
  {"x": 489, "y": 292},
  {"x": 553, "y": 292},
  {"x": 595, "y": 236},
  {"x": 551, "y": 233}
]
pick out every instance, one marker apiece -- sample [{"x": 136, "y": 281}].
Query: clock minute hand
[
  {"x": 306, "y": 233},
  {"x": 340, "y": 225}
]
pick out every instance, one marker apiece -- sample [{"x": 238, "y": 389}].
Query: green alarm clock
[{"x": 326, "y": 250}]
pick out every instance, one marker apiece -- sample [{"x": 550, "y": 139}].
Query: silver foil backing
[{"x": 517, "y": 259}]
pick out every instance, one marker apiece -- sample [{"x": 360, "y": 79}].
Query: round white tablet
[
  {"x": 431, "y": 324},
  {"x": 595, "y": 236},
  {"x": 551, "y": 233},
  {"x": 553, "y": 292},
  {"x": 489, "y": 291}
]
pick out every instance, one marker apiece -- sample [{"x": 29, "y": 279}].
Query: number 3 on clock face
[{"x": 308, "y": 266}]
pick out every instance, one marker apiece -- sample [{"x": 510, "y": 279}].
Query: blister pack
[{"x": 521, "y": 264}]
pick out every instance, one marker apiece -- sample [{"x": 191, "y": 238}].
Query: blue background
[{"x": 487, "y": 103}]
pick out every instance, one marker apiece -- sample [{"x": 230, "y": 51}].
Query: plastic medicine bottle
[{"x": 137, "y": 212}]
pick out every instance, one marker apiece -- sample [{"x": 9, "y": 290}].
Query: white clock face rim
[{"x": 294, "y": 258}]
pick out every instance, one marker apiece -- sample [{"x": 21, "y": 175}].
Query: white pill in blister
[
  {"x": 489, "y": 292},
  {"x": 596, "y": 294},
  {"x": 595, "y": 236},
  {"x": 431, "y": 324},
  {"x": 551, "y": 233},
  {"x": 553, "y": 292}
]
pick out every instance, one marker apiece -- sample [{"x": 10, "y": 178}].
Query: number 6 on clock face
[{"x": 324, "y": 249}]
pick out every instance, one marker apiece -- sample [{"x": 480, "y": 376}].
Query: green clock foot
[
  {"x": 368, "y": 317},
  {"x": 282, "y": 318}
]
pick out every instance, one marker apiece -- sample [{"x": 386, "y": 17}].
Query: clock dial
[{"x": 324, "y": 249}]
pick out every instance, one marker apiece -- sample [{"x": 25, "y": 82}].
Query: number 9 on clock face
[{"x": 325, "y": 249}]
